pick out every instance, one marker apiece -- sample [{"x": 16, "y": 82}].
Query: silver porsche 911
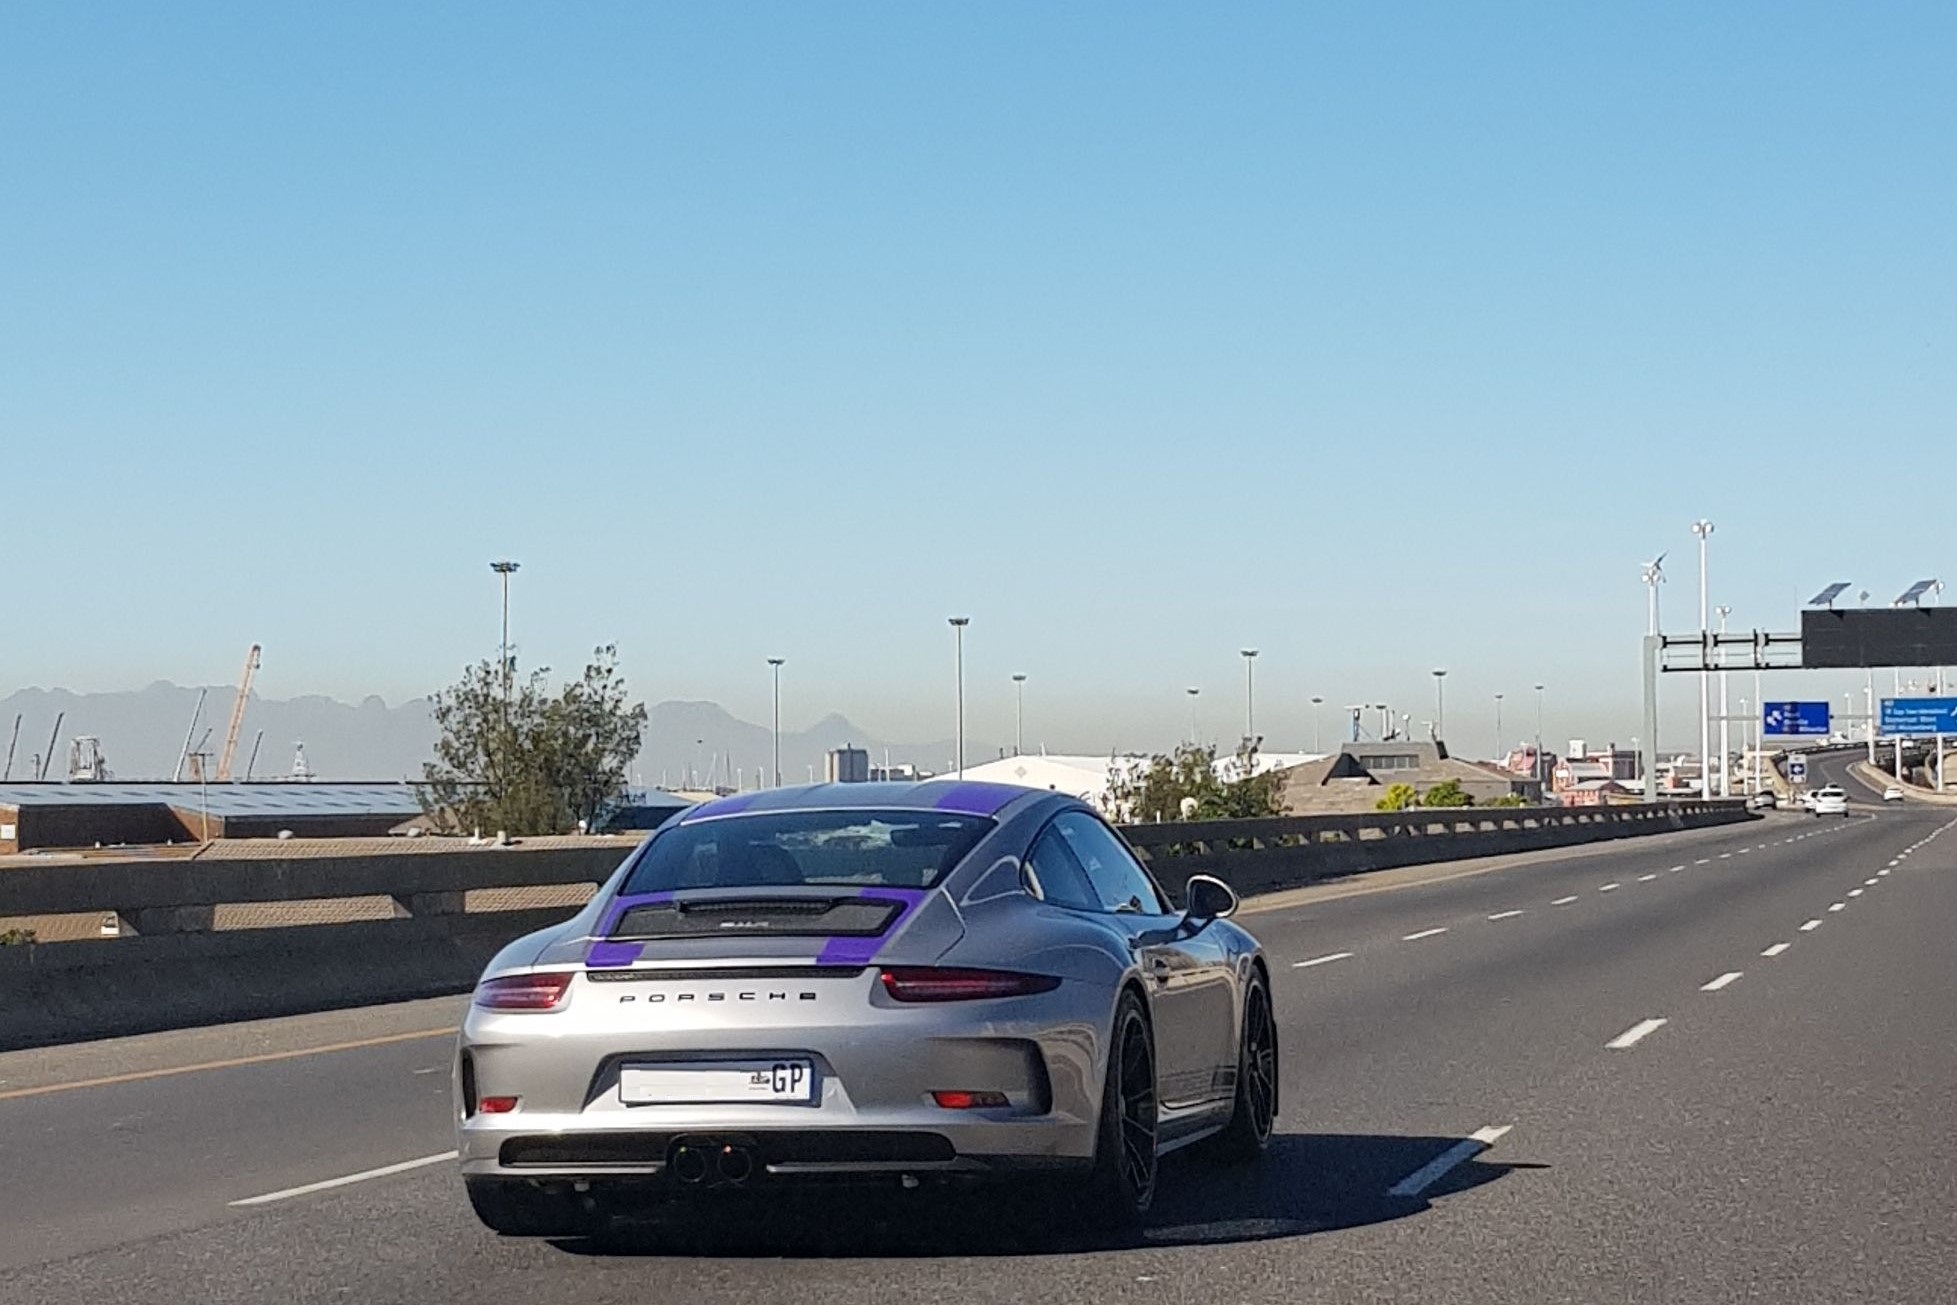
[{"x": 880, "y": 981}]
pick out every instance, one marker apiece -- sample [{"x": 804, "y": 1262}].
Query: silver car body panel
[{"x": 876, "y": 1061}]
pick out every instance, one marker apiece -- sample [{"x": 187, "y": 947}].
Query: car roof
[{"x": 962, "y": 797}]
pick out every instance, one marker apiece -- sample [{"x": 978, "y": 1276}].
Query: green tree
[
  {"x": 513, "y": 757},
  {"x": 1507, "y": 800},
  {"x": 1447, "y": 793},
  {"x": 1184, "y": 785},
  {"x": 1398, "y": 798}
]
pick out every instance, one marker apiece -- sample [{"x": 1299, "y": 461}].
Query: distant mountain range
[{"x": 141, "y": 735}]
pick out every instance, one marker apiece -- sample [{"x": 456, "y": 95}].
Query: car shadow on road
[{"x": 1307, "y": 1183}]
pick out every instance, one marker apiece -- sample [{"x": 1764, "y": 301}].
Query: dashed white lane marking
[
  {"x": 1810, "y": 926},
  {"x": 1725, "y": 856},
  {"x": 1504, "y": 915},
  {"x": 1720, "y": 982},
  {"x": 1424, "y": 933},
  {"x": 1434, "y": 1170},
  {"x": 1675, "y": 869},
  {"x": 1320, "y": 960},
  {"x": 1637, "y": 1033},
  {"x": 1868, "y": 883},
  {"x": 326, "y": 1185},
  {"x": 1702, "y": 861},
  {"x": 1563, "y": 901},
  {"x": 1645, "y": 879},
  {"x": 1855, "y": 892},
  {"x": 1776, "y": 949},
  {"x": 1607, "y": 888},
  {"x": 1837, "y": 906},
  {"x": 1745, "y": 850},
  {"x": 1883, "y": 873}
]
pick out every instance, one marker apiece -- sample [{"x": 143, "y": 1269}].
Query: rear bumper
[{"x": 875, "y": 1066}]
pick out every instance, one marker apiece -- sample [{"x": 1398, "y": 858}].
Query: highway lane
[{"x": 1393, "y": 1055}]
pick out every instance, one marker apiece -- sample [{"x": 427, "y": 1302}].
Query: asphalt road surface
[{"x": 1714, "y": 1066}]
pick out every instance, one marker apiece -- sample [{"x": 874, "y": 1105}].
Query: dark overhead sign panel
[{"x": 1879, "y": 636}]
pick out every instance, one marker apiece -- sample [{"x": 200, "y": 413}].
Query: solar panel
[
  {"x": 1915, "y": 592},
  {"x": 1827, "y": 597}
]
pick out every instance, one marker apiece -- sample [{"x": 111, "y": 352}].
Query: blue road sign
[
  {"x": 1918, "y": 717},
  {"x": 1785, "y": 719}
]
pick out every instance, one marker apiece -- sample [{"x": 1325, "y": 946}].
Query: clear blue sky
[{"x": 1378, "y": 337}]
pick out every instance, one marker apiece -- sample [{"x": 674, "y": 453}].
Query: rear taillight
[
  {"x": 524, "y": 991},
  {"x": 920, "y": 984}
]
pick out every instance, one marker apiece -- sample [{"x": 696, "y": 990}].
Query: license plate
[{"x": 718, "y": 1082}]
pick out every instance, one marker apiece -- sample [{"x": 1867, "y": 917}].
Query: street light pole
[
  {"x": 776, "y": 662},
  {"x": 1250, "y": 708},
  {"x": 1019, "y": 716},
  {"x": 1703, "y": 529},
  {"x": 505, "y": 569},
  {"x": 1539, "y": 765},
  {"x": 1194, "y": 741},
  {"x": 1440, "y": 706},
  {"x": 1315, "y": 703},
  {"x": 1497, "y": 755},
  {"x": 1725, "y": 725},
  {"x": 958, "y": 624}
]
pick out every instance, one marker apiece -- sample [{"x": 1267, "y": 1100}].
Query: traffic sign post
[
  {"x": 1797, "y": 768},
  {"x": 1918, "y": 718},
  {"x": 1795, "y": 719}
]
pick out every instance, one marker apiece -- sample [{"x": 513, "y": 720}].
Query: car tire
[
  {"x": 1254, "y": 1113},
  {"x": 1121, "y": 1187},
  {"x": 521, "y": 1209}
]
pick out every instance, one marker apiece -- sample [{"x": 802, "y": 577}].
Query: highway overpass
[{"x": 1699, "y": 1066}]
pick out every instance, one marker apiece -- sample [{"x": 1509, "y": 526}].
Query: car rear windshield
[{"x": 794, "y": 849}]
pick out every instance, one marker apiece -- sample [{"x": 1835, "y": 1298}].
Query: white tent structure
[{"x": 1087, "y": 778}]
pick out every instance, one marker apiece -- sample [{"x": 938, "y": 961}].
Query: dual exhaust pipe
[{"x": 719, "y": 1164}]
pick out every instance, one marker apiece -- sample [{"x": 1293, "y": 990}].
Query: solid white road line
[
  {"x": 1320, "y": 960},
  {"x": 1434, "y": 1170},
  {"x": 1645, "y": 879},
  {"x": 1607, "y": 888},
  {"x": 1776, "y": 949},
  {"x": 1504, "y": 915},
  {"x": 1637, "y": 1033},
  {"x": 1563, "y": 901},
  {"x": 1424, "y": 933},
  {"x": 1721, "y": 981},
  {"x": 383, "y": 1172},
  {"x": 1810, "y": 926}
]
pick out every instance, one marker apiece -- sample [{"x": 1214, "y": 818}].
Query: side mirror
[{"x": 1208, "y": 898}]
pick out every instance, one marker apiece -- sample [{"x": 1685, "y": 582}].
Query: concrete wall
[{"x": 181, "y": 968}]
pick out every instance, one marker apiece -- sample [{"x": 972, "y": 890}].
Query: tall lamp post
[
  {"x": 1725, "y": 725},
  {"x": 1194, "y": 741},
  {"x": 1440, "y": 705},
  {"x": 776, "y": 662},
  {"x": 1497, "y": 754},
  {"x": 1019, "y": 716},
  {"x": 1250, "y": 707},
  {"x": 1316, "y": 702},
  {"x": 505, "y": 569},
  {"x": 958, "y": 624},
  {"x": 1703, "y": 529},
  {"x": 1539, "y": 758}
]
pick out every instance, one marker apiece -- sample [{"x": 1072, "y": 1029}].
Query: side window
[
  {"x": 1058, "y": 876},
  {"x": 1119, "y": 882}
]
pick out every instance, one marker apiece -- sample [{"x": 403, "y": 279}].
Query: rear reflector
[
  {"x": 497, "y": 1105},
  {"x": 524, "y": 991},
  {"x": 922, "y": 984},
  {"x": 969, "y": 1100}
]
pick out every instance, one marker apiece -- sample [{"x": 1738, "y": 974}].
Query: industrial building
[
  {"x": 1356, "y": 776},
  {"x": 57, "y": 815}
]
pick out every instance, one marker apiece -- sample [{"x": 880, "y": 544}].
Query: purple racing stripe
[
  {"x": 605, "y": 954},
  {"x": 974, "y": 798},
  {"x": 726, "y": 806},
  {"x": 860, "y": 951}
]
